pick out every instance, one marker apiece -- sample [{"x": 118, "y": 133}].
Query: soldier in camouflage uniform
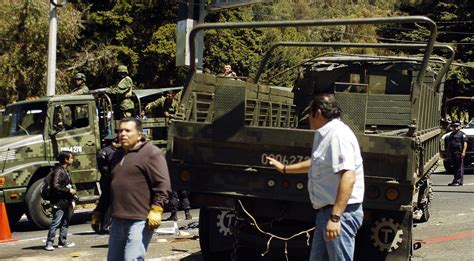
[
  {"x": 167, "y": 104},
  {"x": 80, "y": 82},
  {"x": 123, "y": 91}
]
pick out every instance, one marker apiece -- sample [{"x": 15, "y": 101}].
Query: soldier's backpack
[{"x": 45, "y": 189}]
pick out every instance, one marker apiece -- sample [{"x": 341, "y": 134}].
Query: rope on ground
[{"x": 275, "y": 236}]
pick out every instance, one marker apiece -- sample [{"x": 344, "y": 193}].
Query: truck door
[{"x": 74, "y": 129}]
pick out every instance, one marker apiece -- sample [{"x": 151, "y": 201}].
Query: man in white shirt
[{"x": 335, "y": 181}]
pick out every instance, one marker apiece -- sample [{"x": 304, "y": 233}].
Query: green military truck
[
  {"x": 34, "y": 131},
  {"x": 218, "y": 149}
]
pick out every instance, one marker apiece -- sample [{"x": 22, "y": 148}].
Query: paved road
[
  {"x": 89, "y": 246},
  {"x": 449, "y": 235}
]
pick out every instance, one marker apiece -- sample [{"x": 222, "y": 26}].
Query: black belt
[{"x": 331, "y": 206}]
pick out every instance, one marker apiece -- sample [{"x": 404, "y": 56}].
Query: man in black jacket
[{"x": 62, "y": 196}]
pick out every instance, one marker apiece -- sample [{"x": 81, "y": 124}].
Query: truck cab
[{"x": 34, "y": 131}]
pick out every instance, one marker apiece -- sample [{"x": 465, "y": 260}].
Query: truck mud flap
[
  {"x": 385, "y": 235},
  {"x": 216, "y": 230}
]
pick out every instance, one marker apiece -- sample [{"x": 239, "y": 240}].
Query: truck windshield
[{"x": 23, "y": 119}]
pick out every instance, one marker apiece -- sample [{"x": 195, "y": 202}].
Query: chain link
[{"x": 235, "y": 244}]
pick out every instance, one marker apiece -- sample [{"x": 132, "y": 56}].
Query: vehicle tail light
[
  {"x": 185, "y": 175},
  {"x": 391, "y": 193}
]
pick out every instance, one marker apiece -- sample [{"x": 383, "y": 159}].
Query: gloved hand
[
  {"x": 96, "y": 220},
  {"x": 154, "y": 217}
]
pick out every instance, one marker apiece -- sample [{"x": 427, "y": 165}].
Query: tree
[
  {"x": 455, "y": 27},
  {"x": 24, "y": 45}
]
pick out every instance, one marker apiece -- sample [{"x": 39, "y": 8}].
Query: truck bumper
[{"x": 15, "y": 195}]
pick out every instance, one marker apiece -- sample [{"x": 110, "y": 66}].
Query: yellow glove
[
  {"x": 154, "y": 217},
  {"x": 96, "y": 220}
]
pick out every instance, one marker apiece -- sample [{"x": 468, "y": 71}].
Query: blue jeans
[
  {"x": 128, "y": 239},
  {"x": 341, "y": 248},
  {"x": 61, "y": 221}
]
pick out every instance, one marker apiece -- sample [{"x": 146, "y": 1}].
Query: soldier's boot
[
  {"x": 188, "y": 215},
  {"x": 173, "y": 217}
]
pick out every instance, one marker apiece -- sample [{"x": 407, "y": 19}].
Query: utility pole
[
  {"x": 193, "y": 12},
  {"x": 52, "y": 42}
]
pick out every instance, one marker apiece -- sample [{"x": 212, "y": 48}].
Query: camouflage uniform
[
  {"x": 166, "y": 106},
  {"x": 123, "y": 91},
  {"x": 230, "y": 74},
  {"x": 82, "y": 89}
]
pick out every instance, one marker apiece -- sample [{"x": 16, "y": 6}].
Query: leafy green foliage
[
  {"x": 97, "y": 36},
  {"x": 454, "y": 26},
  {"x": 24, "y": 45}
]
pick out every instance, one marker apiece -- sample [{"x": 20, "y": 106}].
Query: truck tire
[
  {"x": 39, "y": 211},
  {"x": 448, "y": 167}
]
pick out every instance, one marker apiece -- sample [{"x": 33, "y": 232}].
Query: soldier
[
  {"x": 80, "y": 82},
  {"x": 105, "y": 155},
  {"x": 123, "y": 91},
  {"x": 168, "y": 104},
  {"x": 103, "y": 161},
  {"x": 176, "y": 198},
  {"x": 457, "y": 151},
  {"x": 228, "y": 71}
]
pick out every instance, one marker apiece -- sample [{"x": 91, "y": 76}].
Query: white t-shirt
[{"x": 335, "y": 148}]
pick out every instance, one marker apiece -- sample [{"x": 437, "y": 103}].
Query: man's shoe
[
  {"x": 188, "y": 216},
  {"x": 454, "y": 184},
  {"x": 173, "y": 217},
  {"x": 67, "y": 245},
  {"x": 49, "y": 247}
]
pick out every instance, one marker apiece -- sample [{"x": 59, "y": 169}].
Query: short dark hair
[
  {"x": 138, "y": 123},
  {"x": 326, "y": 103},
  {"x": 63, "y": 156}
]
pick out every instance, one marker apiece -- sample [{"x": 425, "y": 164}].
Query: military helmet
[
  {"x": 80, "y": 76},
  {"x": 122, "y": 69}
]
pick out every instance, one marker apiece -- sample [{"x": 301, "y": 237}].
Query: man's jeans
[
  {"x": 341, "y": 248},
  {"x": 61, "y": 220},
  {"x": 128, "y": 239}
]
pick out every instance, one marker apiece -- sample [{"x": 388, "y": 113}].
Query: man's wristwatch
[{"x": 335, "y": 217}]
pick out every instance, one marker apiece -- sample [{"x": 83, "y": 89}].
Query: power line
[
  {"x": 412, "y": 29},
  {"x": 280, "y": 17},
  {"x": 456, "y": 22}
]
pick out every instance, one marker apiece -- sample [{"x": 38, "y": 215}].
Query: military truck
[
  {"x": 34, "y": 131},
  {"x": 218, "y": 149}
]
